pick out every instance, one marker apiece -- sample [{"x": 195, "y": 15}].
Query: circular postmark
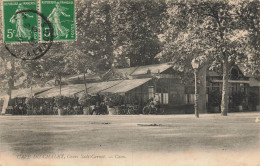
[{"x": 31, "y": 48}]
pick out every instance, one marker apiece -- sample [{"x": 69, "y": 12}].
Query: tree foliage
[
  {"x": 220, "y": 33},
  {"x": 107, "y": 33}
]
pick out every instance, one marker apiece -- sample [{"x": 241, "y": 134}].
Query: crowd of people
[{"x": 97, "y": 105}]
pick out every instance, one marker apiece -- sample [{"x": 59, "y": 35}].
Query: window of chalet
[
  {"x": 165, "y": 98},
  {"x": 150, "y": 92},
  {"x": 163, "y": 91},
  {"x": 237, "y": 87},
  {"x": 189, "y": 94},
  {"x": 189, "y": 98},
  {"x": 242, "y": 87}
]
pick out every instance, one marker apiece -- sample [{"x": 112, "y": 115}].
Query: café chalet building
[{"x": 138, "y": 84}]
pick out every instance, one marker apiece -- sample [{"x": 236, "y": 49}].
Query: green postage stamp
[
  {"x": 21, "y": 25},
  {"x": 61, "y": 13}
]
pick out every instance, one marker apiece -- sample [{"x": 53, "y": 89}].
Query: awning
[
  {"x": 95, "y": 88},
  {"x": 66, "y": 90},
  {"x": 109, "y": 87},
  {"x": 28, "y": 92},
  {"x": 114, "y": 87},
  {"x": 76, "y": 89},
  {"x": 125, "y": 86}
]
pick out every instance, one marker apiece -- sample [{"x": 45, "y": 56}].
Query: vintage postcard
[{"x": 129, "y": 83}]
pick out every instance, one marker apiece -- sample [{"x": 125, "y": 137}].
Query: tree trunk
[
  {"x": 85, "y": 83},
  {"x": 108, "y": 35},
  {"x": 225, "y": 88},
  {"x": 11, "y": 79},
  {"x": 202, "y": 102},
  {"x": 196, "y": 109},
  {"x": 88, "y": 18},
  {"x": 60, "y": 85}
]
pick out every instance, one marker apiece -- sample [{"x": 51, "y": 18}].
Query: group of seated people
[
  {"x": 99, "y": 109},
  {"x": 98, "y": 106},
  {"x": 19, "y": 109}
]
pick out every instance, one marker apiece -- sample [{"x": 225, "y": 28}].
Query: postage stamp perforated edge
[
  {"x": 39, "y": 22},
  {"x": 3, "y": 22},
  {"x": 74, "y": 19}
]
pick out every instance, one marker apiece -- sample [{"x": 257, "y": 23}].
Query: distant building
[{"x": 244, "y": 89}]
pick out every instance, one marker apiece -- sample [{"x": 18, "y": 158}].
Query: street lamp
[{"x": 195, "y": 65}]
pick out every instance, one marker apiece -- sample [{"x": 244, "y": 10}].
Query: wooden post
[
  {"x": 32, "y": 96},
  {"x": 86, "y": 92},
  {"x": 60, "y": 85},
  {"x": 196, "y": 95},
  {"x": 31, "y": 82}
]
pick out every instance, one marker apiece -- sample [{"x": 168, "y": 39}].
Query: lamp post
[{"x": 195, "y": 66}]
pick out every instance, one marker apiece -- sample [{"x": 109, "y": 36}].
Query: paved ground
[{"x": 137, "y": 134}]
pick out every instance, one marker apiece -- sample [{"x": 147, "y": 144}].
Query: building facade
[
  {"x": 178, "y": 97},
  {"x": 138, "y": 85}
]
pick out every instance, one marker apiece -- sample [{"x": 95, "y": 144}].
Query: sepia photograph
[{"x": 129, "y": 82}]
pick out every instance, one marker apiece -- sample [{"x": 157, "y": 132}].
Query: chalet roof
[
  {"x": 66, "y": 90},
  {"x": 125, "y": 86},
  {"x": 76, "y": 78},
  {"x": 80, "y": 77},
  {"x": 141, "y": 70},
  {"x": 27, "y": 92},
  {"x": 97, "y": 87},
  {"x": 252, "y": 81},
  {"x": 240, "y": 67},
  {"x": 118, "y": 86},
  {"x": 244, "y": 71},
  {"x": 115, "y": 87}
]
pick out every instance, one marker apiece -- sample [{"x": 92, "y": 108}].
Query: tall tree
[
  {"x": 249, "y": 14},
  {"x": 211, "y": 31},
  {"x": 138, "y": 24}
]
